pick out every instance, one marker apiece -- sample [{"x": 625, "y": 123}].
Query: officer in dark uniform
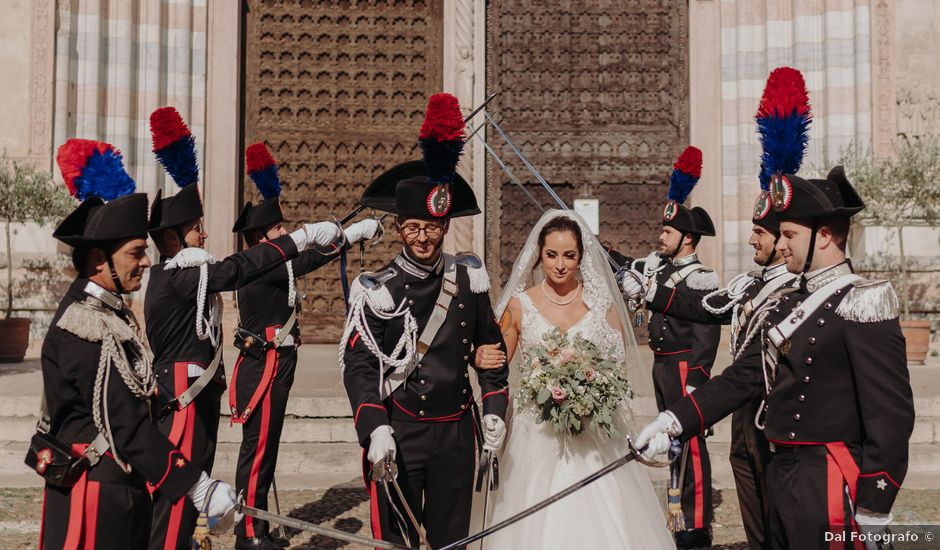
[
  {"x": 683, "y": 350},
  {"x": 734, "y": 304},
  {"x": 183, "y": 312},
  {"x": 407, "y": 347},
  {"x": 268, "y": 335},
  {"x": 839, "y": 407},
  {"x": 98, "y": 379}
]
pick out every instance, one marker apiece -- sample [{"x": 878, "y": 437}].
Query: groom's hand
[
  {"x": 489, "y": 356},
  {"x": 631, "y": 283},
  {"x": 494, "y": 432},
  {"x": 381, "y": 444}
]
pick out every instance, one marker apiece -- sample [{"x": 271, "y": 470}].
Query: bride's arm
[{"x": 511, "y": 327}]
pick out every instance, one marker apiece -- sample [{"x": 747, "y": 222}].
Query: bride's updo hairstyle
[{"x": 561, "y": 223}]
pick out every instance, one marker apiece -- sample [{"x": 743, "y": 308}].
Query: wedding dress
[{"x": 618, "y": 511}]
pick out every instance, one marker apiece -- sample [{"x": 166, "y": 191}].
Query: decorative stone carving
[
  {"x": 884, "y": 117},
  {"x": 337, "y": 89},
  {"x": 592, "y": 92},
  {"x": 41, "y": 78}
]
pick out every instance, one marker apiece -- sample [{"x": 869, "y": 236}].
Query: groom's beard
[{"x": 427, "y": 258}]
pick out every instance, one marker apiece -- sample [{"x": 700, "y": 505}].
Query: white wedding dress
[{"x": 618, "y": 511}]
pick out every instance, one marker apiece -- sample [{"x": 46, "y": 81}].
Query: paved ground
[{"x": 345, "y": 506}]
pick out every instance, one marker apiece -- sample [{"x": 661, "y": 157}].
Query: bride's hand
[{"x": 489, "y": 356}]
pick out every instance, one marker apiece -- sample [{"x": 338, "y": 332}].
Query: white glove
[
  {"x": 655, "y": 436},
  {"x": 494, "y": 432},
  {"x": 652, "y": 262},
  {"x": 365, "y": 229},
  {"x": 630, "y": 284},
  {"x": 381, "y": 443},
  {"x": 872, "y": 523},
  {"x": 221, "y": 499},
  {"x": 320, "y": 233}
]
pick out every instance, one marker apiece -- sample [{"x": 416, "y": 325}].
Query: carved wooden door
[
  {"x": 595, "y": 93},
  {"x": 337, "y": 89}
]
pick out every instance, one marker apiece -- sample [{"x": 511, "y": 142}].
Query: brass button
[
  {"x": 806, "y": 379},
  {"x": 407, "y": 287},
  {"x": 419, "y": 365},
  {"x": 420, "y": 413},
  {"x": 660, "y": 338},
  {"x": 422, "y": 381},
  {"x": 812, "y": 340},
  {"x": 465, "y": 391},
  {"x": 466, "y": 375},
  {"x": 464, "y": 406},
  {"x": 791, "y": 436},
  {"x": 796, "y": 417},
  {"x": 821, "y": 322},
  {"x": 461, "y": 306},
  {"x": 802, "y": 398},
  {"x": 424, "y": 398},
  {"x": 410, "y": 302},
  {"x": 465, "y": 340},
  {"x": 808, "y": 361},
  {"x": 828, "y": 305},
  {"x": 466, "y": 357},
  {"x": 463, "y": 323}
]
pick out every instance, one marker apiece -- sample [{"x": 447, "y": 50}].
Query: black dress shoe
[
  {"x": 693, "y": 538},
  {"x": 255, "y": 543},
  {"x": 276, "y": 540}
]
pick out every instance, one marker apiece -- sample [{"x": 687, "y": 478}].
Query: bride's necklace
[{"x": 561, "y": 303}]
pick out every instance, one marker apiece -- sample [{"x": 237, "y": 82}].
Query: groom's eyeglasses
[{"x": 411, "y": 230}]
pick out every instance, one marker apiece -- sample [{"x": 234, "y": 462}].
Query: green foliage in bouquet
[{"x": 573, "y": 384}]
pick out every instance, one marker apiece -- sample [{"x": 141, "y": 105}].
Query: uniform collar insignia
[
  {"x": 686, "y": 260},
  {"x": 416, "y": 269},
  {"x": 821, "y": 277},
  {"x": 106, "y": 297},
  {"x": 775, "y": 271}
]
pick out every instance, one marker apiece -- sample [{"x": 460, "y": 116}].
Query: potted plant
[
  {"x": 26, "y": 194},
  {"x": 899, "y": 191}
]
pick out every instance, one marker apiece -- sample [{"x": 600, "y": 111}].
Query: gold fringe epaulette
[
  {"x": 91, "y": 322},
  {"x": 870, "y": 302}
]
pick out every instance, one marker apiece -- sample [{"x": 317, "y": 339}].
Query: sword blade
[
  {"x": 629, "y": 457},
  {"x": 314, "y": 528}
]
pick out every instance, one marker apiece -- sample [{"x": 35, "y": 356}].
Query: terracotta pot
[
  {"x": 917, "y": 334},
  {"x": 15, "y": 338}
]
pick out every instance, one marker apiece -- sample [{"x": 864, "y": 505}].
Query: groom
[{"x": 417, "y": 406}]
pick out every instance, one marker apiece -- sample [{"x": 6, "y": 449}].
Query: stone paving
[{"x": 345, "y": 506}]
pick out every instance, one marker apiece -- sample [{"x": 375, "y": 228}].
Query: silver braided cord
[
  {"x": 291, "y": 284},
  {"x": 207, "y": 326},
  {"x": 404, "y": 353},
  {"x": 735, "y": 291},
  {"x": 139, "y": 379}
]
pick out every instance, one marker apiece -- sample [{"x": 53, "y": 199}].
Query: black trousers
[
  {"x": 806, "y": 494},
  {"x": 673, "y": 377},
  {"x": 436, "y": 463},
  {"x": 261, "y": 435},
  {"x": 749, "y": 457},
  {"x": 195, "y": 430},
  {"x": 95, "y": 514}
]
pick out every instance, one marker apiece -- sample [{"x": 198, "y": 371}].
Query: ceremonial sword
[{"x": 314, "y": 528}]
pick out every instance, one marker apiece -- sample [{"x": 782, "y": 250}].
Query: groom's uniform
[{"x": 427, "y": 398}]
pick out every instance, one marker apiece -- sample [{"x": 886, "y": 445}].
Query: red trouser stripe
[
  {"x": 259, "y": 450},
  {"x": 696, "y": 457},
  {"x": 91, "y": 513},
  {"x": 184, "y": 422},
  {"x": 73, "y": 536},
  {"x": 42, "y": 520},
  {"x": 270, "y": 369},
  {"x": 374, "y": 512}
]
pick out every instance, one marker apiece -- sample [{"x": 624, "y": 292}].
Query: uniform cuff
[
  {"x": 876, "y": 492},
  {"x": 285, "y": 245},
  {"x": 496, "y": 402},
  {"x": 367, "y": 418},
  {"x": 179, "y": 477},
  {"x": 687, "y": 413},
  {"x": 661, "y": 299}
]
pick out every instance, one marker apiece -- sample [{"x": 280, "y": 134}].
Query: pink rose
[
  {"x": 559, "y": 395},
  {"x": 567, "y": 355},
  {"x": 590, "y": 375}
]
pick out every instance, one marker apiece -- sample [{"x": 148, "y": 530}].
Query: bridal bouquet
[{"x": 573, "y": 384}]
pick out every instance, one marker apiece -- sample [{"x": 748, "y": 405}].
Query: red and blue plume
[
  {"x": 783, "y": 120},
  {"x": 93, "y": 169},
  {"x": 263, "y": 170},
  {"x": 174, "y": 146},
  {"x": 685, "y": 174},
  {"x": 442, "y": 137}
]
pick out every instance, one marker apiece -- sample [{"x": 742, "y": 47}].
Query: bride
[{"x": 561, "y": 280}]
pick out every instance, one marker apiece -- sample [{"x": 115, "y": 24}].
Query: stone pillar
[
  {"x": 884, "y": 97},
  {"x": 464, "y": 76},
  {"x": 705, "y": 121},
  {"x": 223, "y": 124}
]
